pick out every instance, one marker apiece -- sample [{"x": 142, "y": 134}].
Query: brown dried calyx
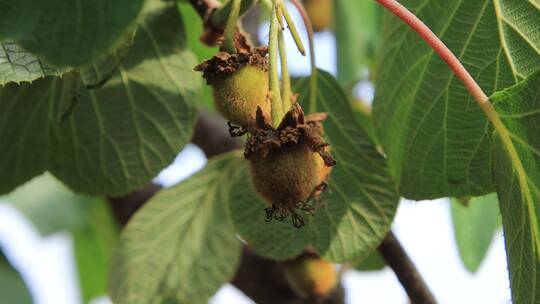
[
  {"x": 240, "y": 84},
  {"x": 290, "y": 164}
]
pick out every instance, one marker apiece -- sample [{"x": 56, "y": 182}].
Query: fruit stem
[
  {"x": 313, "y": 78},
  {"x": 286, "y": 91},
  {"x": 275, "y": 94},
  {"x": 292, "y": 29},
  {"x": 230, "y": 29}
]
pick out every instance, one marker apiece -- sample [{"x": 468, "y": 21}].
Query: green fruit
[
  {"x": 309, "y": 276},
  {"x": 237, "y": 95},
  {"x": 240, "y": 84},
  {"x": 288, "y": 175},
  {"x": 320, "y": 13}
]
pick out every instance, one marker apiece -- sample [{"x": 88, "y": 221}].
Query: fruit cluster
[{"x": 290, "y": 163}]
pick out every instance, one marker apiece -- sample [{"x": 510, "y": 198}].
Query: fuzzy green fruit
[
  {"x": 240, "y": 83},
  {"x": 288, "y": 175},
  {"x": 238, "y": 95}
]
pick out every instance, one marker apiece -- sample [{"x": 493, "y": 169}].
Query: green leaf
[
  {"x": 181, "y": 246},
  {"x": 517, "y": 175},
  {"x": 18, "y": 65},
  {"x": 373, "y": 262},
  {"x": 475, "y": 222},
  {"x": 435, "y": 135},
  {"x": 356, "y": 26},
  {"x": 70, "y": 33},
  {"x": 102, "y": 69},
  {"x": 12, "y": 287},
  {"x": 93, "y": 245},
  {"x": 361, "y": 199},
  {"x": 117, "y": 137}
]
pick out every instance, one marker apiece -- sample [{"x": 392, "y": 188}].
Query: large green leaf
[
  {"x": 181, "y": 246},
  {"x": 361, "y": 199},
  {"x": 475, "y": 221},
  {"x": 12, "y": 287},
  {"x": 67, "y": 32},
  {"x": 18, "y": 65},
  {"x": 356, "y": 26},
  {"x": 118, "y": 136},
  {"x": 102, "y": 69},
  {"x": 518, "y": 184},
  {"x": 432, "y": 130}
]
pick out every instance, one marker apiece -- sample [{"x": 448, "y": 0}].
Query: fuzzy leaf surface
[
  {"x": 435, "y": 135},
  {"x": 518, "y": 185},
  {"x": 67, "y": 33},
  {"x": 181, "y": 246},
  {"x": 361, "y": 199}
]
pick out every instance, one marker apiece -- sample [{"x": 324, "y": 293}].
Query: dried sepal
[{"x": 290, "y": 164}]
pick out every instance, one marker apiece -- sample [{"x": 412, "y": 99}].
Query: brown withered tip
[
  {"x": 295, "y": 128},
  {"x": 290, "y": 164},
  {"x": 223, "y": 63}
]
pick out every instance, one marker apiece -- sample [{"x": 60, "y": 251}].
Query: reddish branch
[
  {"x": 438, "y": 46},
  {"x": 411, "y": 280}
]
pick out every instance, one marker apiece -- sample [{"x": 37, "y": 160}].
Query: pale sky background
[{"x": 424, "y": 228}]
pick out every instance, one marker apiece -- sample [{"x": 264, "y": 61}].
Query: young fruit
[
  {"x": 320, "y": 13},
  {"x": 309, "y": 276},
  {"x": 240, "y": 84},
  {"x": 290, "y": 164}
]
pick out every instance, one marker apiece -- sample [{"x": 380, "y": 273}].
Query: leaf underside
[
  {"x": 361, "y": 199},
  {"x": 112, "y": 139},
  {"x": 518, "y": 185},
  {"x": 435, "y": 135},
  {"x": 181, "y": 246},
  {"x": 18, "y": 65}
]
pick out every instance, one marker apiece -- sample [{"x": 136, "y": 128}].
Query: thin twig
[{"x": 396, "y": 257}]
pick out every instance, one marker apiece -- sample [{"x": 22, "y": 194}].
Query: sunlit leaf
[
  {"x": 18, "y": 65},
  {"x": 181, "y": 246}
]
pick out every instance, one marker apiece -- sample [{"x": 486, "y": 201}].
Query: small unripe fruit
[
  {"x": 309, "y": 276},
  {"x": 289, "y": 165},
  {"x": 240, "y": 85},
  {"x": 288, "y": 175},
  {"x": 237, "y": 95},
  {"x": 320, "y": 13}
]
